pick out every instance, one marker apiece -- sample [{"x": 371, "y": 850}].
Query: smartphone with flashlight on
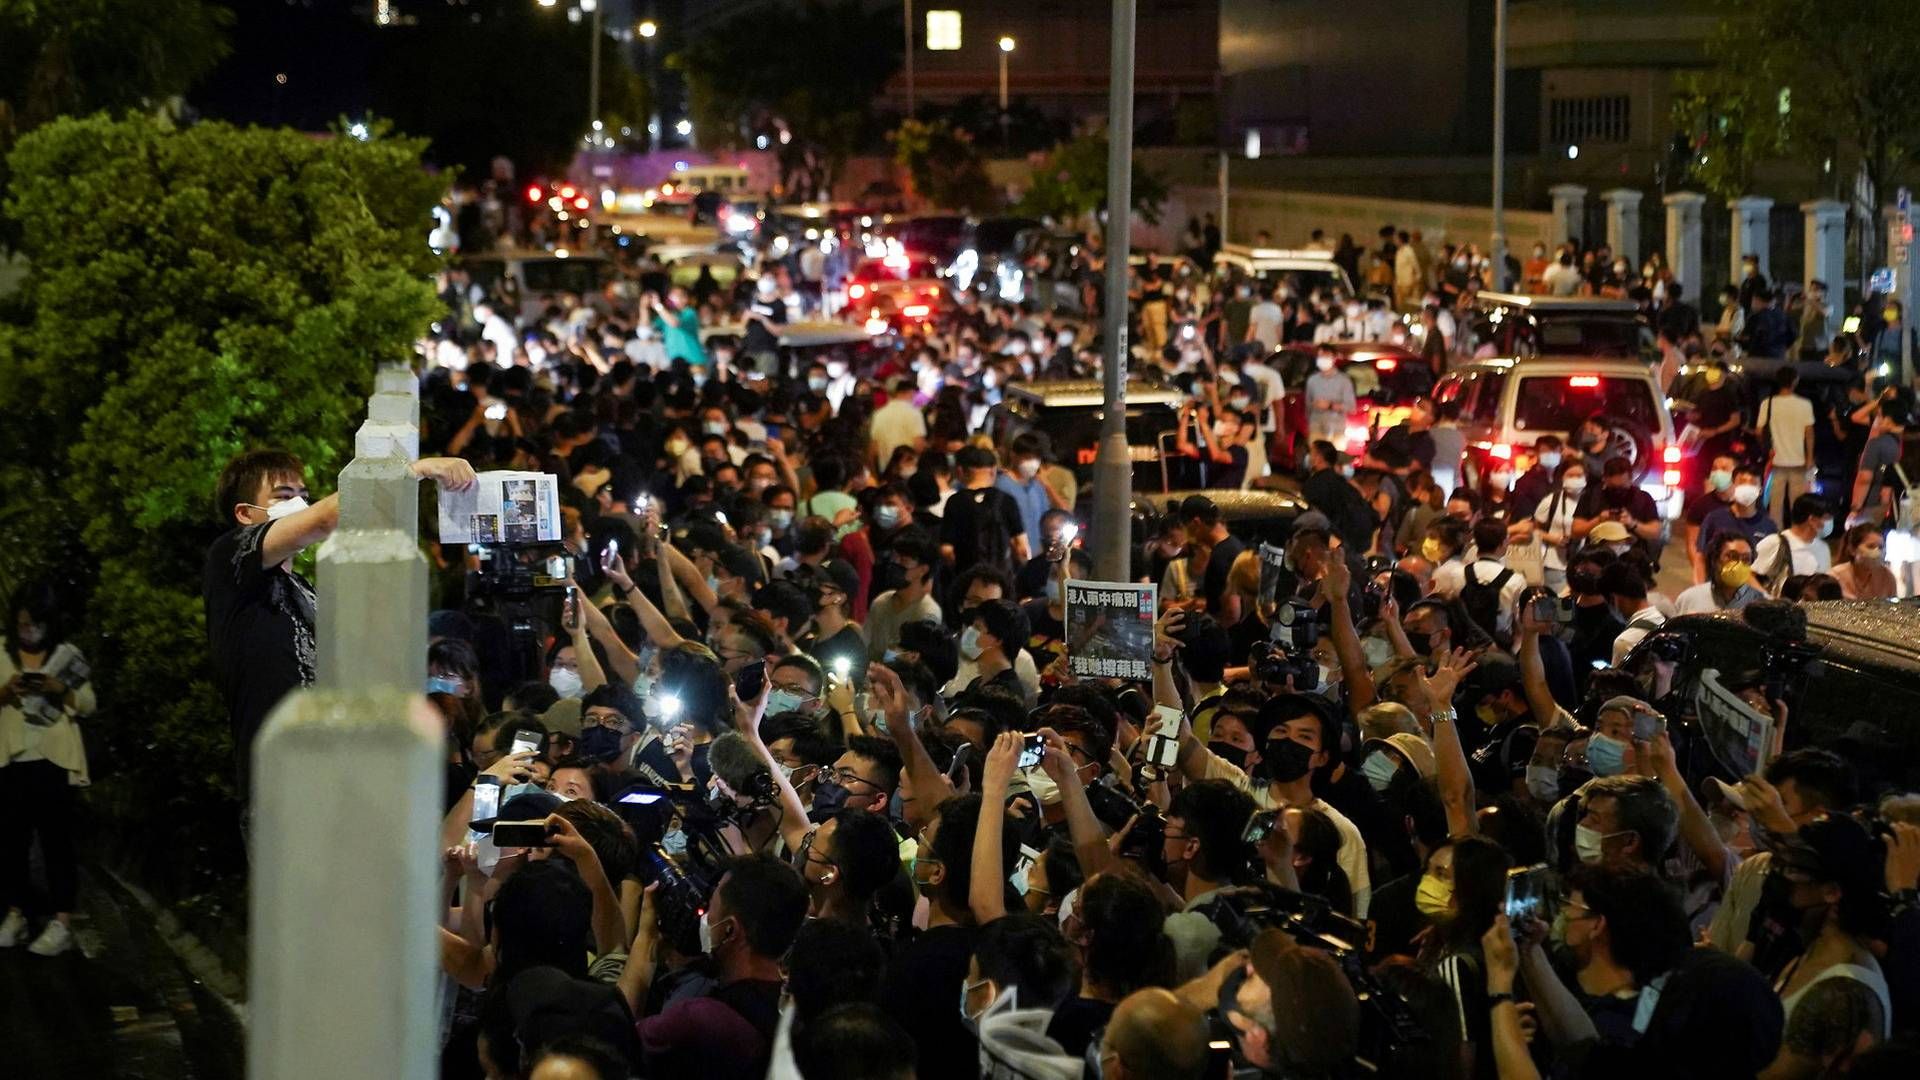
[
  {"x": 1031, "y": 750},
  {"x": 497, "y": 411}
]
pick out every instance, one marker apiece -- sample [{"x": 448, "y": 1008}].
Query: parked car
[
  {"x": 1069, "y": 411},
  {"x": 540, "y": 277},
  {"x": 1303, "y": 271},
  {"x": 1518, "y": 324},
  {"x": 1387, "y": 380}
]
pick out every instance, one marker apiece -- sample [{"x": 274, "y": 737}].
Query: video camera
[
  {"x": 687, "y": 874},
  {"x": 1287, "y": 652},
  {"x": 509, "y": 572}
]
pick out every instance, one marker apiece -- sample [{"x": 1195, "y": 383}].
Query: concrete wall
[{"x": 1291, "y": 216}]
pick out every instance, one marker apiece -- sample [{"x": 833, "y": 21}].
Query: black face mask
[
  {"x": 597, "y": 743},
  {"x": 828, "y": 799},
  {"x": 1285, "y": 760},
  {"x": 1422, "y": 643},
  {"x": 1230, "y": 754}
]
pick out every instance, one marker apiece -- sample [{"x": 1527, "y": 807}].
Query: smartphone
[
  {"x": 641, "y": 798},
  {"x": 960, "y": 759},
  {"x": 497, "y": 411},
  {"x": 1261, "y": 826},
  {"x": 1030, "y": 751},
  {"x": 1169, "y": 720},
  {"x": 1069, "y": 532},
  {"x": 512, "y": 834},
  {"x": 749, "y": 681},
  {"x": 1529, "y": 890},
  {"x": 524, "y": 741},
  {"x": 1850, "y": 324},
  {"x": 1648, "y": 726},
  {"x": 1546, "y": 609},
  {"x": 486, "y": 799},
  {"x": 1163, "y": 752}
]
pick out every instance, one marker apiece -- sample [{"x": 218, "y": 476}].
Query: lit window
[{"x": 943, "y": 31}]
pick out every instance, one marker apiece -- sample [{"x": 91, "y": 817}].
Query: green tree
[
  {"x": 1072, "y": 180},
  {"x": 944, "y": 164},
  {"x": 746, "y": 77},
  {"x": 62, "y": 57},
  {"x": 1796, "y": 78},
  {"x": 224, "y": 288}
]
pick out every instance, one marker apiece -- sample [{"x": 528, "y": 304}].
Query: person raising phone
[{"x": 260, "y": 613}]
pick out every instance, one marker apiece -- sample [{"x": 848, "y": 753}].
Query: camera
[
  {"x": 1146, "y": 841},
  {"x": 1295, "y": 625},
  {"x": 1272, "y": 663}
]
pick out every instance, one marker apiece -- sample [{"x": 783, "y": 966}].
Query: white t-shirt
[
  {"x": 1352, "y": 855},
  {"x": 1786, "y": 418},
  {"x": 1806, "y": 556},
  {"x": 1265, "y": 319},
  {"x": 897, "y": 423},
  {"x": 1449, "y": 578},
  {"x": 1272, "y": 388},
  {"x": 1643, "y": 623},
  {"x": 1559, "y": 505}
]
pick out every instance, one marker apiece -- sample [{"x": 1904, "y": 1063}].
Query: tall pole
[
  {"x": 1499, "y": 243},
  {"x": 1224, "y": 158},
  {"x": 909, "y": 59},
  {"x": 1113, "y": 474},
  {"x": 593, "y": 77},
  {"x": 1003, "y": 84}
]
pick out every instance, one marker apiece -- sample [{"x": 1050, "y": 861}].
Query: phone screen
[
  {"x": 1260, "y": 825},
  {"x": 486, "y": 799},
  {"x": 1528, "y": 892},
  {"x": 641, "y": 798},
  {"x": 497, "y": 411},
  {"x": 1030, "y": 752},
  {"x": 1163, "y": 751},
  {"x": 524, "y": 741},
  {"x": 1546, "y": 609},
  {"x": 1647, "y": 726}
]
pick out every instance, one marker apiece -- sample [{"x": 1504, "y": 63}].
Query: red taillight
[
  {"x": 855, "y": 292},
  {"x": 1671, "y": 455},
  {"x": 581, "y": 203},
  {"x": 1501, "y": 451},
  {"x": 568, "y": 192},
  {"x": 1386, "y": 365},
  {"x": 534, "y": 194},
  {"x": 1584, "y": 382},
  {"x": 916, "y": 311}
]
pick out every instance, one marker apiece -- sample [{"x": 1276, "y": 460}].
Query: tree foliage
[
  {"x": 944, "y": 165},
  {"x": 1072, "y": 181},
  {"x": 63, "y": 57},
  {"x": 1805, "y": 79},
  {"x": 192, "y": 293},
  {"x": 812, "y": 70}
]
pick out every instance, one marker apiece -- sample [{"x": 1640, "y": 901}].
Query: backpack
[
  {"x": 1482, "y": 601},
  {"x": 992, "y": 543}
]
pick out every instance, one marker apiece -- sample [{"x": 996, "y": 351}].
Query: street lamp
[
  {"x": 648, "y": 28},
  {"x": 1006, "y": 50}
]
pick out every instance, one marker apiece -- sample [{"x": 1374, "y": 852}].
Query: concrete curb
[{"x": 215, "y": 1027}]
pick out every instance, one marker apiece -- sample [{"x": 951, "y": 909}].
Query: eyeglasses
[{"x": 834, "y": 774}]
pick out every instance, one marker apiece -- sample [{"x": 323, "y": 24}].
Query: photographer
[
  {"x": 845, "y": 862},
  {"x": 1292, "y": 1010},
  {"x": 1203, "y": 853},
  {"x": 260, "y": 613}
]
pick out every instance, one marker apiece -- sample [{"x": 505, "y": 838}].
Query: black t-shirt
[
  {"x": 1714, "y": 406},
  {"x": 1633, "y": 500},
  {"x": 1214, "y": 582},
  {"x": 847, "y": 643},
  {"x": 922, "y": 992},
  {"x": 962, "y": 526},
  {"x": 260, "y": 629},
  {"x": 1047, "y": 636},
  {"x": 758, "y": 338},
  {"x": 1077, "y": 1021},
  {"x": 1330, "y": 493},
  {"x": 1533, "y": 485},
  {"x": 1702, "y": 503},
  {"x": 1417, "y": 444}
]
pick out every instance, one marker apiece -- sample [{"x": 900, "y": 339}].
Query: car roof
[
  {"x": 1561, "y": 304},
  {"x": 1363, "y": 351},
  {"x": 1235, "y": 504},
  {"x": 1281, "y": 258},
  {"x": 1883, "y": 634},
  {"x": 525, "y": 254},
  {"x": 1618, "y": 367},
  {"x": 1073, "y": 393}
]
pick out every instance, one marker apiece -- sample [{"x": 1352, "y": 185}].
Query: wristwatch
[{"x": 1443, "y": 716}]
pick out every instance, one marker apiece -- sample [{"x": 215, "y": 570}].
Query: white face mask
[
  {"x": 1030, "y": 468},
  {"x": 565, "y": 682},
  {"x": 1574, "y": 484},
  {"x": 1589, "y": 844},
  {"x": 1746, "y": 494},
  {"x": 1324, "y": 363},
  {"x": 1543, "y": 782},
  {"x": 276, "y": 511}
]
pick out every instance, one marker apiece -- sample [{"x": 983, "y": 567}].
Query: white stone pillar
[
  {"x": 1825, "y": 255},
  {"x": 1570, "y": 212},
  {"x": 347, "y": 797},
  {"x": 1683, "y": 244},
  {"x": 1623, "y": 223},
  {"x": 1750, "y": 214}
]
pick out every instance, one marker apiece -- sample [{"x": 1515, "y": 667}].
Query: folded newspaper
[
  {"x": 1739, "y": 736},
  {"x": 504, "y": 507}
]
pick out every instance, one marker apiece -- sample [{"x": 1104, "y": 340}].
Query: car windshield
[
  {"x": 1302, "y": 281},
  {"x": 1561, "y": 402},
  {"x": 936, "y": 236},
  {"x": 996, "y": 235},
  {"x": 1588, "y": 336},
  {"x": 563, "y": 275}
]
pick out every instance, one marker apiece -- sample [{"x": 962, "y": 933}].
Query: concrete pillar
[
  {"x": 347, "y": 797},
  {"x": 1826, "y": 253},
  {"x": 1749, "y": 233},
  {"x": 1683, "y": 244},
  {"x": 1569, "y": 213},
  {"x": 1623, "y": 223}
]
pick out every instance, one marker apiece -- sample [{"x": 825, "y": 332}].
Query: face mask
[
  {"x": 1230, "y": 754},
  {"x": 990, "y": 378},
  {"x": 706, "y": 935},
  {"x": 1735, "y": 574},
  {"x": 817, "y": 383},
  {"x": 1890, "y": 315},
  {"x": 970, "y": 643},
  {"x": 780, "y": 519},
  {"x": 1714, "y": 378},
  {"x": 1324, "y": 363},
  {"x": 1030, "y": 468},
  {"x": 828, "y": 799},
  {"x": 1043, "y": 788},
  {"x": 1379, "y": 769},
  {"x": 1543, "y": 782},
  {"x": 676, "y": 447},
  {"x": 674, "y": 841},
  {"x": 1867, "y": 555},
  {"x": 1422, "y": 644},
  {"x": 447, "y": 684},
  {"x": 887, "y": 517},
  {"x": 1606, "y": 755},
  {"x": 1502, "y": 481},
  {"x": 715, "y": 427},
  {"x": 1053, "y": 590},
  {"x": 512, "y": 791},
  {"x": 284, "y": 507},
  {"x": 1286, "y": 760},
  {"x": 1486, "y": 715},
  {"x": 1721, "y": 478},
  {"x": 1826, "y": 529},
  {"x": 566, "y": 683},
  {"x": 598, "y": 743},
  {"x": 1432, "y": 549},
  {"x": 31, "y": 637},
  {"x": 1574, "y": 484},
  {"x": 784, "y": 700},
  {"x": 1239, "y": 403},
  {"x": 1590, "y": 843},
  {"x": 699, "y": 377},
  {"x": 1433, "y": 898},
  {"x": 971, "y": 1020},
  {"x": 713, "y": 582},
  {"x": 1746, "y": 494}
]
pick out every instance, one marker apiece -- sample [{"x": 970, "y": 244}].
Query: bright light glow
[
  {"x": 916, "y": 311},
  {"x": 856, "y": 291},
  {"x": 1386, "y": 363},
  {"x": 582, "y": 203},
  {"x": 760, "y": 142},
  {"x": 669, "y": 706},
  {"x": 841, "y": 665},
  {"x": 1670, "y": 477},
  {"x": 813, "y": 234},
  {"x": 359, "y": 131},
  {"x": 780, "y": 244},
  {"x": 785, "y": 136},
  {"x": 608, "y": 197},
  {"x": 1068, "y": 532},
  {"x": 1006, "y": 44},
  {"x": 684, "y": 127},
  {"x": 866, "y": 221},
  {"x": 1502, "y": 451},
  {"x": 1573, "y": 152},
  {"x": 1671, "y": 455},
  {"x": 894, "y": 261},
  {"x": 1583, "y": 382},
  {"x": 1253, "y": 144},
  {"x": 648, "y": 28},
  {"x": 739, "y": 223},
  {"x": 561, "y": 253},
  {"x": 568, "y": 191},
  {"x": 562, "y": 215},
  {"x": 556, "y": 202},
  {"x": 548, "y": 3},
  {"x": 596, "y": 125},
  {"x": 679, "y": 166},
  {"x": 534, "y": 193},
  {"x": 876, "y": 326},
  {"x": 943, "y": 31}
]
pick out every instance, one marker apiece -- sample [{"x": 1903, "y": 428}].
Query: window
[
  {"x": 1486, "y": 407},
  {"x": 943, "y": 31},
  {"x": 1571, "y": 121},
  {"x": 1561, "y": 402}
]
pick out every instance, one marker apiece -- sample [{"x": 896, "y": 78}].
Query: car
[
  {"x": 799, "y": 343},
  {"x": 989, "y": 254},
  {"x": 1302, "y": 270},
  {"x": 1045, "y": 271},
  {"x": 894, "y": 305},
  {"x": 1518, "y": 324},
  {"x": 1850, "y": 682},
  {"x": 541, "y": 276},
  {"x": 1499, "y": 407},
  {"x": 937, "y": 237},
  {"x": 1256, "y": 517},
  {"x": 1069, "y": 411},
  {"x": 1387, "y": 380}
]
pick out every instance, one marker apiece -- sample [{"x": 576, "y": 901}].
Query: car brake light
[
  {"x": 534, "y": 194},
  {"x": 1501, "y": 451},
  {"x": 1671, "y": 478},
  {"x": 1584, "y": 382},
  {"x": 581, "y": 203},
  {"x": 855, "y": 292},
  {"x": 1671, "y": 455},
  {"x": 1386, "y": 364},
  {"x": 568, "y": 192},
  {"x": 915, "y": 311}
]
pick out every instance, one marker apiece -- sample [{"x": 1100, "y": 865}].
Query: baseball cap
[
  {"x": 563, "y": 717},
  {"x": 1609, "y": 532}
]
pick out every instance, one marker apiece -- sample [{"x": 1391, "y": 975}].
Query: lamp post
[
  {"x": 1113, "y": 469},
  {"x": 649, "y": 31},
  {"x": 909, "y": 32},
  {"x": 593, "y": 72},
  {"x": 1006, "y": 51},
  {"x": 1499, "y": 238}
]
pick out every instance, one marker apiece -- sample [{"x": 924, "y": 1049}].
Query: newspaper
[
  {"x": 503, "y": 508},
  {"x": 1739, "y": 736},
  {"x": 68, "y": 667},
  {"x": 1110, "y": 629}
]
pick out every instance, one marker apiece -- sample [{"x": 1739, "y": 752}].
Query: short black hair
[
  {"x": 1126, "y": 948},
  {"x": 619, "y": 697},
  {"x": 865, "y": 849},
  {"x": 816, "y": 677},
  {"x": 1617, "y": 466},
  {"x": 768, "y": 897},
  {"x": 784, "y": 600},
  {"x": 1646, "y": 922},
  {"x": 1199, "y": 508},
  {"x": 953, "y": 843},
  {"x": 1721, "y": 541},
  {"x": 937, "y": 648},
  {"x": 1006, "y": 622},
  {"x": 881, "y": 752},
  {"x": 1623, "y": 579},
  {"x": 975, "y": 457},
  {"x": 242, "y": 477},
  {"x": 544, "y": 916},
  {"x": 1215, "y": 813},
  {"x": 1823, "y": 778},
  {"x": 1027, "y": 953},
  {"x": 833, "y": 961},
  {"x": 856, "y": 1041},
  {"x": 1489, "y": 536},
  {"x": 1807, "y": 507}
]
